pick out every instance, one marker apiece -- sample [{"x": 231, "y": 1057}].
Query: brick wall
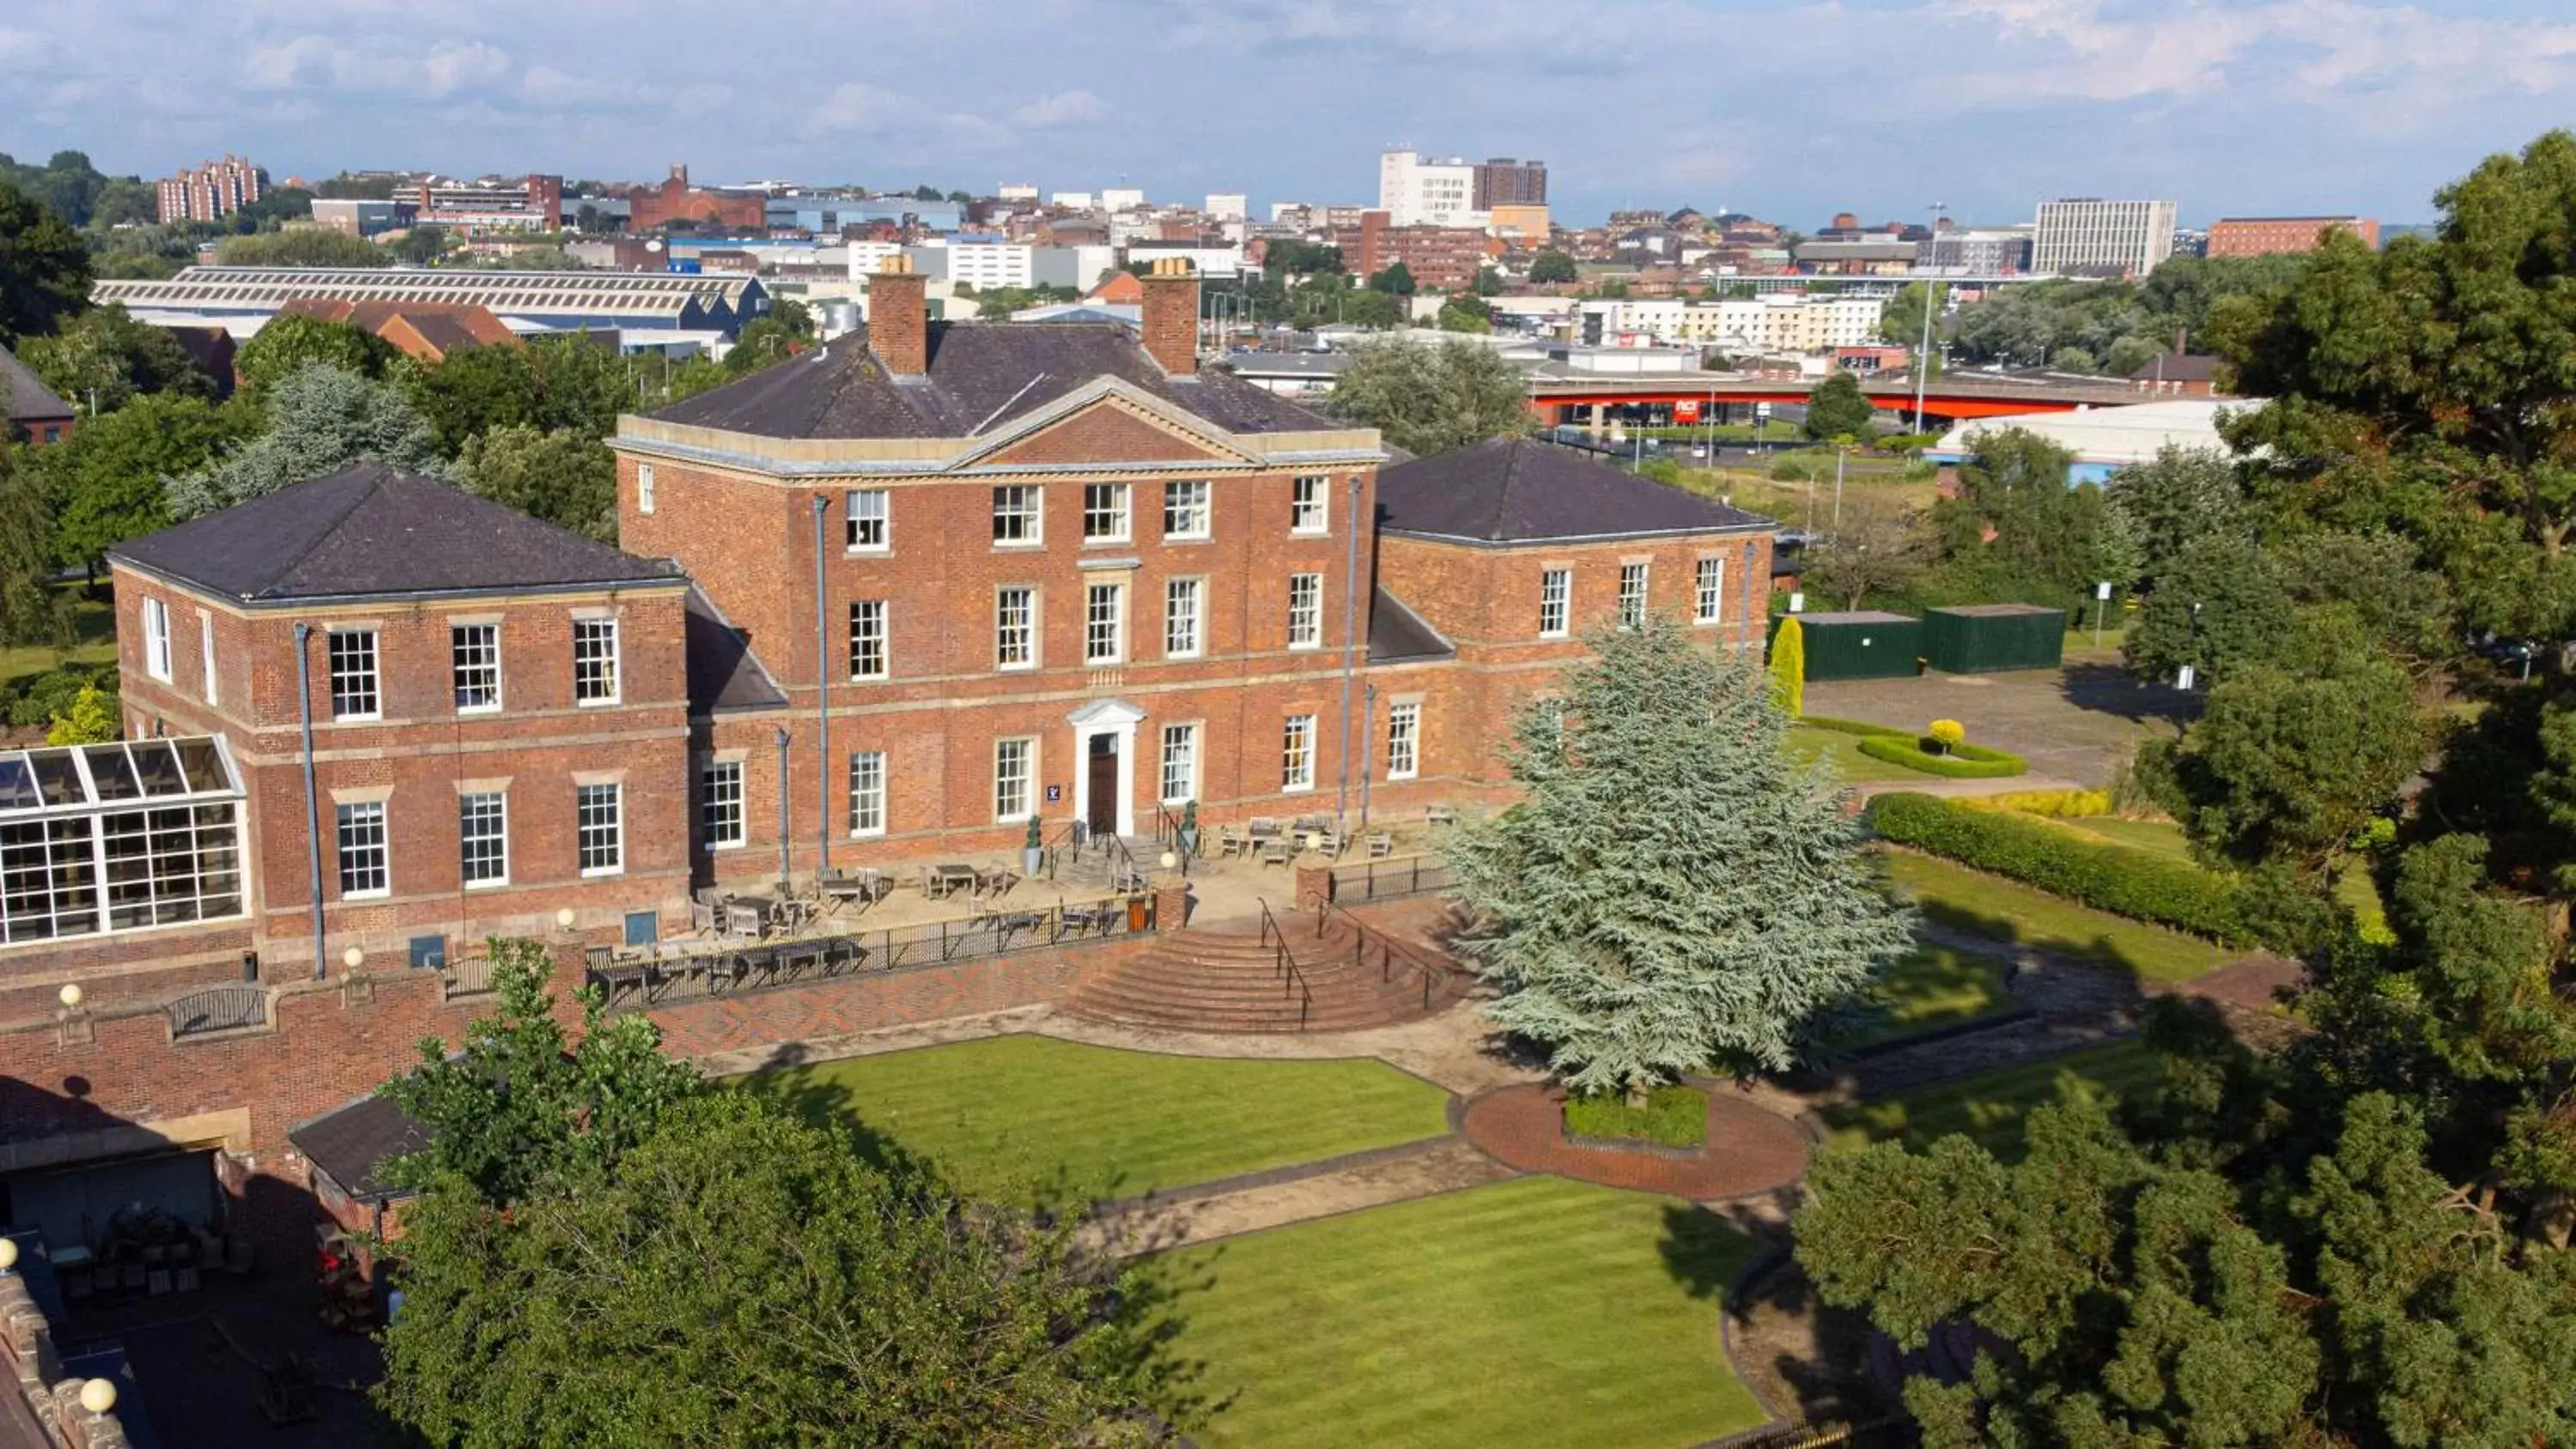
[{"x": 421, "y": 752}]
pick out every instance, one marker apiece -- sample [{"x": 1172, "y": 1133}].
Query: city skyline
[{"x": 2284, "y": 106}]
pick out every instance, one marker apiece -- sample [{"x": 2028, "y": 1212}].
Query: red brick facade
[{"x": 417, "y": 756}]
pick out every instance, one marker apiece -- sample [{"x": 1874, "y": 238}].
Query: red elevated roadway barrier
[{"x": 1949, "y": 398}]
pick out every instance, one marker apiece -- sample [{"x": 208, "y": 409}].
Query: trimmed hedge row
[
  {"x": 2114, "y": 878},
  {"x": 2051, "y": 804},
  {"x": 1963, "y": 761},
  {"x": 1848, "y": 726}
]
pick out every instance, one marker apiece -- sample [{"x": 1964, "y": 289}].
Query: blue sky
[{"x": 1790, "y": 111}]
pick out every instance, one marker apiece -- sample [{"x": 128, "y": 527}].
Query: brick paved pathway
[{"x": 1750, "y": 1150}]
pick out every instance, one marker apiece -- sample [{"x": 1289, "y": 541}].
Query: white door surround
[{"x": 1106, "y": 717}]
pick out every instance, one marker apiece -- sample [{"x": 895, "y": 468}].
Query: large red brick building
[
  {"x": 886, "y": 602},
  {"x": 2263, "y": 236}
]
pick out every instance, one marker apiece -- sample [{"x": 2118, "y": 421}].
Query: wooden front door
[{"x": 1103, "y": 815}]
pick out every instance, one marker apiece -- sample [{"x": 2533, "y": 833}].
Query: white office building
[
  {"x": 1228, "y": 206},
  {"x": 979, "y": 263},
  {"x": 1070, "y": 200},
  {"x": 2086, "y": 234},
  {"x": 1415, "y": 192},
  {"x": 867, "y": 258},
  {"x": 1123, "y": 198},
  {"x": 1017, "y": 191}
]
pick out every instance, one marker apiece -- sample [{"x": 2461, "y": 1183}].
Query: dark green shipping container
[
  {"x": 1985, "y": 638},
  {"x": 1864, "y": 644}
]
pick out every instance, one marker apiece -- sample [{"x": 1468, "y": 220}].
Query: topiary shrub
[
  {"x": 1947, "y": 734},
  {"x": 1961, "y": 762},
  {"x": 2049, "y": 804},
  {"x": 2108, "y": 877}
]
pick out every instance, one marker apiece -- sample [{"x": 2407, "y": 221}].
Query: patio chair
[
  {"x": 1276, "y": 852},
  {"x": 1440, "y": 815},
  {"x": 1263, "y": 827},
  {"x": 1229, "y": 842},
  {"x": 1380, "y": 845},
  {"x": 1329, "y": 842}
]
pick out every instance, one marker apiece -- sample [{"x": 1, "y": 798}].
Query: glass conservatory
[{"x": 113, "y": 837}]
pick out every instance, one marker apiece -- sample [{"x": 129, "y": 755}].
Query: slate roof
[
  {"x": 724, "y": 675},
  {"x": 1397, "y": 635},
  {"x": 371, "y": 530},
  {"x": 981, "y": 376},
  {"x": 1520, "y": 490},
  {"x": 24, "y": 399},
  {"x": 352, "y": 1141}
]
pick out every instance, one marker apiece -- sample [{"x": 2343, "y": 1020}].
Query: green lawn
[
  {"x": 1934, "y": 986},
  {"x": 1534, "y": 1311},
  {"x": 1844, "y": 750},
  {"x": 1024, "y": 1116},
  {"x": 93, "y": 628},
  {"x": 1989, "y": 905},
  {"x": 1990, "y": 1106}
]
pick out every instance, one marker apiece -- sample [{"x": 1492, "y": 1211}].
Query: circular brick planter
[{"x": 1749, "y": 1150}]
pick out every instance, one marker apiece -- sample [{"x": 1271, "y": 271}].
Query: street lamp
[{"x": 1923, "y": 357}]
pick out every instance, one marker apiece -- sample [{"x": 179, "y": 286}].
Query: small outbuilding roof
[
  {"x": 24, "y": 398},
  {"x": 370, "y": 530},
  {"x": 1520, "y": 490},
  {"x": 351, "y": 1142}
]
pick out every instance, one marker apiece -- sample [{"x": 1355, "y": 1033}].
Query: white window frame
[
  {"x": 1403, "y": 739},
  {"x": 1297, "y": 754},
  {"x": 206, "y": 655},
  {"x": 1310, "y": 504},
  {"x": 1023, "y": 633},
  {"x": 867, "y": 793},
  {"x": 1108, "y": 513},
  {"x": 1097, "y": 626},
  {"x": 1555, "y": 602},
  {"x": 1185, "y": 500},
  {"x": 1014, "y": 796},
  {"x": 457, "y": 667},
  {"x": 369, "y": 680},
  {"x": 156, "y": 639},
  {"x": 1181, "y": 747},
  {"x": 720, "y": 787},
  {"x": 1708, "y": 586},
  {"x": 1184, "y": 617},
  {"x": 359, "y": 816},
  {"x": 586, "y": 637},
  {"x": 582, "y": 801},
  {"x": 465, "y": 808},
  {"x": 1023, "y": 506},
  {"x": 867, "y": 520},
  {"x": 1305, "y": 611},
  {"x": 1636, "y": 584},
  {"x": 871, "y": 640},
  {"x": 644, "y": 489}
]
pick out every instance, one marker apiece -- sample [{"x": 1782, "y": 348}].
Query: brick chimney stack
[
  {"x": 1172, "y": 315},
  {"x": 899, "y": 318}
]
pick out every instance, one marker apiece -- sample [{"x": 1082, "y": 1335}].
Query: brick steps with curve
[{"x": 1230, "y": 981}]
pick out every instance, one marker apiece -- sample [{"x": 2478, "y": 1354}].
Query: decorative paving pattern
[{"x": 1749, "y": 1150}]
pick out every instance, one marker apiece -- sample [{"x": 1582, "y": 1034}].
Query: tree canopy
[
  {"x": 103, "y": 358},
  {"x": 2360, "y": 1235},
  {"x": 321, "y": 418},
  {"x": 1675, "y": 891},
  {"x": 44, "y": 268},
  {"x": 302, "y": 246},
  {"x": 291, "y": 341},
  {"x": 566, "y": 477},
  {"x": 110, "y": 480},
  {"x": 1837, "y": 408},
  {"x": 607, "y": 1251},
  {"x": 1553, "y": 266},
  {"x": 1430, "y": 397}
]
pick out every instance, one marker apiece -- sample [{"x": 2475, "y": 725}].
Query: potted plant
[
  {"x": 1189, "y": 831},
  {"x": 1033, "y": 850}
]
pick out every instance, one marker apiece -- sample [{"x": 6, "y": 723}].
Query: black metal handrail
[
  {"x": 1286, "y": 960},
  {"x": 231, "y": 1007},
  {"x": 1389, "y": 951},
  {"x": 1168, "y": 832},
  {"x": 1122, "y": 862},
  {"x": 1065, "y": 844}
]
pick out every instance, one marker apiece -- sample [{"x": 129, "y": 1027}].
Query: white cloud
[
  {"x": 1060, "y": 108},
  {"x": 861, "y": 106},
  {"x": 377, "y": 64}
]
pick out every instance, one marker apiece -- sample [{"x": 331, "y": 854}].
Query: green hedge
[
  {"x": 1849, "y": 726},
  {"x": 2114, "y": 878},
  {"x": 1962, "y": 761}
]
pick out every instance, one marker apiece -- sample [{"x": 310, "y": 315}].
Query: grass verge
[
  {"x": 1028, "y": 1117},
  {"x": 1989, "y": 905},
  {"x": 1991, "y": 1105},
  {"x": 1534, "y": 1311},
  {"x": 1844, "y": 753},
  {"x": 1674, "y": 1116},
  {"x": 1932, "y": 986}
]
